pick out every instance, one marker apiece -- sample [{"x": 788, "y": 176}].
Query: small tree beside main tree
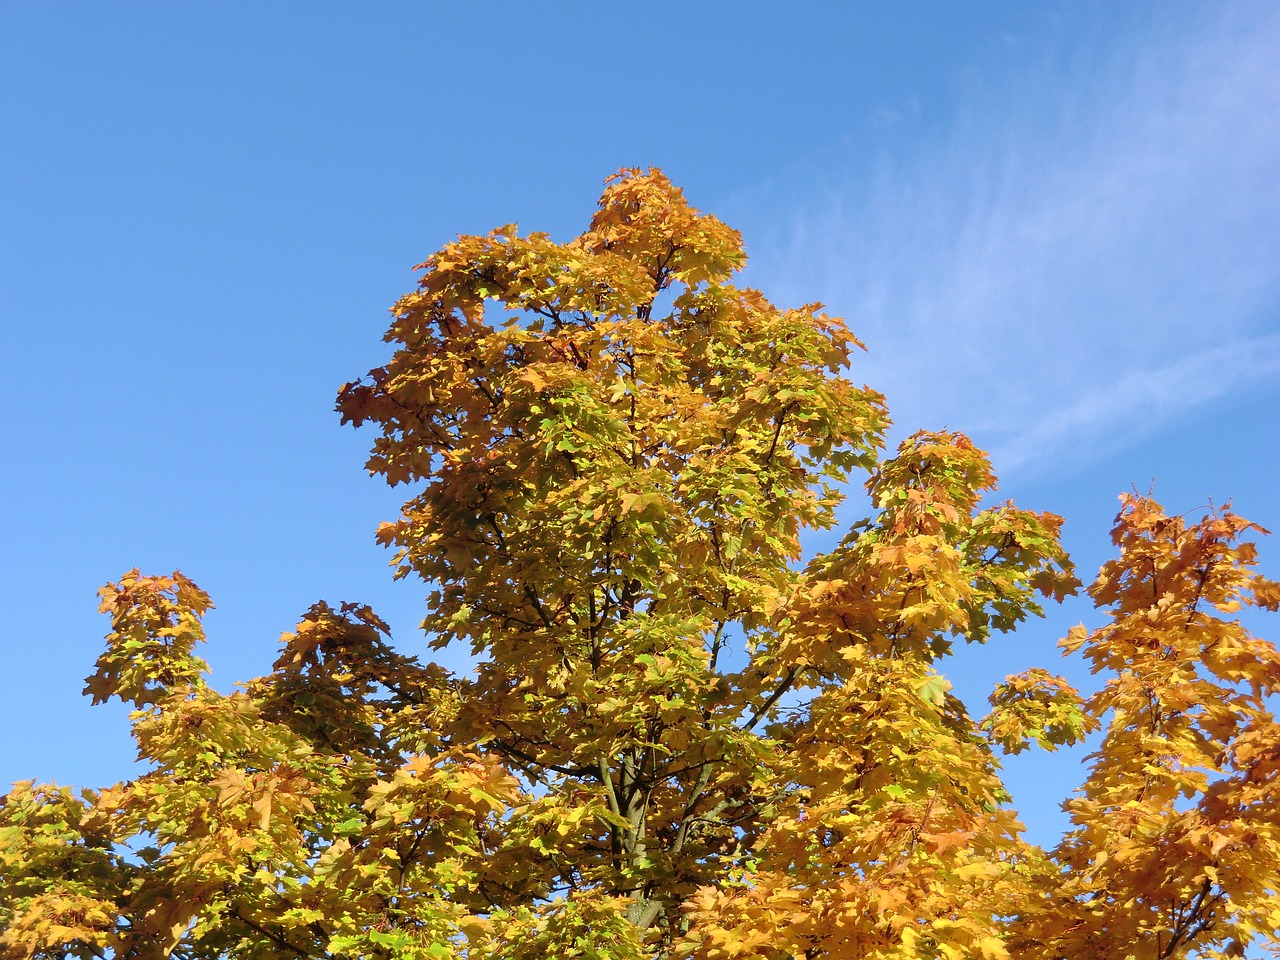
[{"x": 679, "y": 741}]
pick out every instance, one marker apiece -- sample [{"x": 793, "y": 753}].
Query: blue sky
[{"x": 1056, "y": 226}]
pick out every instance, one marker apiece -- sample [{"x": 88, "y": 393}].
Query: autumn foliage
[{"x": 679, "y": 740}]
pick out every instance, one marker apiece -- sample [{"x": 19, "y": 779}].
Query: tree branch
[
  {"x": 774, "y": 697},
  {"x": 275, "y": 938}
]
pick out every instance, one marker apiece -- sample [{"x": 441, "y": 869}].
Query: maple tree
[{"x": 679, "y": 741}]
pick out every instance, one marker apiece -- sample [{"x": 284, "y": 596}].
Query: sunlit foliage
[{"x": 680, "y": 740}]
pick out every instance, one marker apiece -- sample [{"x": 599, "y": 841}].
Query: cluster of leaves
[{"x": 678, "y": 742}]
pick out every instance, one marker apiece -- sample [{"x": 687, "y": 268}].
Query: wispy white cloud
[
  {"x": 1060, "y": 265},
  {"x": 1143, "y": 398}
]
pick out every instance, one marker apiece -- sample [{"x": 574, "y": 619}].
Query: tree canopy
[{"x": 680, "y": 740}]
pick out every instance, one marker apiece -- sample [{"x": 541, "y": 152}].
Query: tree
[{"x": 679, "y": 741}]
